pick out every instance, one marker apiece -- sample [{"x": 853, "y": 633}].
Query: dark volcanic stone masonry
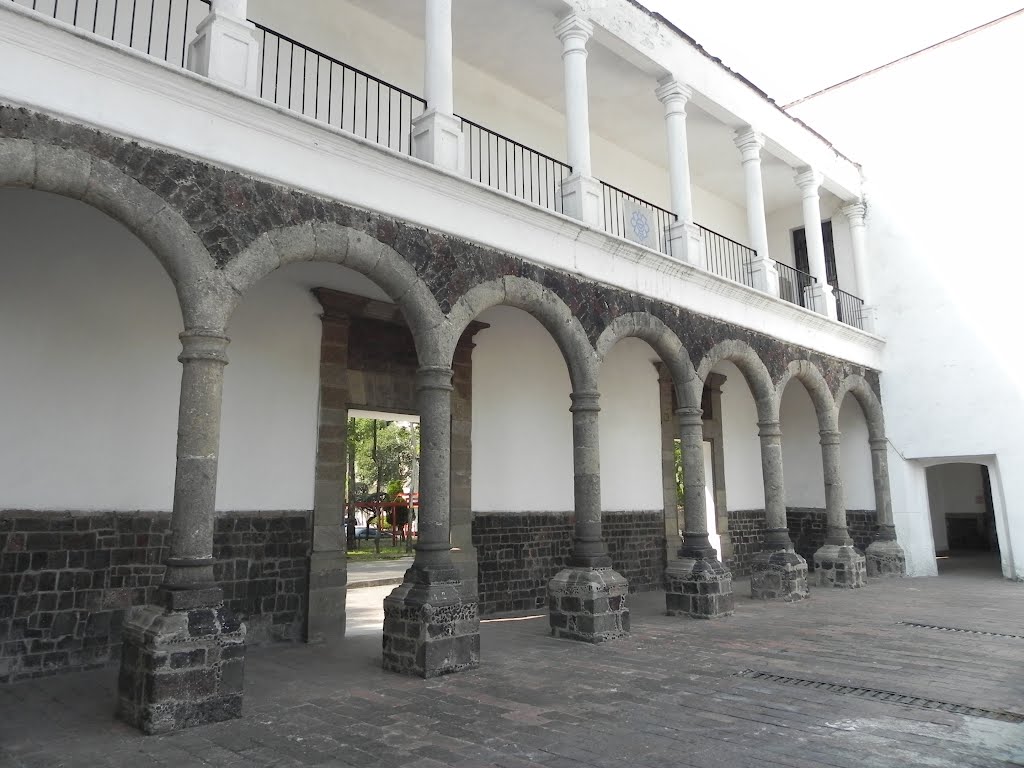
[
  {"x": 67, "y": 579},
  {"x": 519, "y": 553},
  {"x": 806, "y": 529}
]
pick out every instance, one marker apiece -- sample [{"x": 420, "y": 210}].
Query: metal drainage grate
[
  {"x": 959, "y": 629},
  {"x": 890, "y": 697}
]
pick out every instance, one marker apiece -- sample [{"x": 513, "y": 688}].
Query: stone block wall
[
  {"x": 746, "y": 533},
  {"x": 807, "y": 527},
  {"x": 67, "y": 579},
  {"x": 519, "y": 552}
]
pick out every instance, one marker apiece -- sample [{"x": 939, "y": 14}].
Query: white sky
[{"x": 792, "y": 48}]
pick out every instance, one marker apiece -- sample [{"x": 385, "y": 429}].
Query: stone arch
[
  {"x": 743, "y": 356},
  {"x": 78, "y": 175},
  {"x": 824, "y": 404},
  {"x": 646, "y": 327},
  {"x": 333, "y": 243},
  {"x": 540, "y": 302},
  {"x": 857, "y": 385}
]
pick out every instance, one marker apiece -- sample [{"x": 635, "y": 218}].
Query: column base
[
  {"x": 430, "y": 629},
  {"x": 819, "y": 298},
  {"x": 225, "y": 49},
  {"x": 779, "y": 575},
  {"x": 765, "y": 275},
  {"x": 885, "y": 558},
  {"x": 583, "y": 199},
  {"x": 437, "y": 138},
  {"x": 701, "y": 589},
  {"x": 841, "y": 566},
  {"x": 686, "y": 244},
  {"x": 588, "y": 604},
  {"x": 181, "y": 667}
]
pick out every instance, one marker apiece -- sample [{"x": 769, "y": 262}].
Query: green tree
[{"x": 383, "y": 451}]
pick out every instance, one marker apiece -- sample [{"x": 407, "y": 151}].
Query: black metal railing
[
  {"x": 793, "y": 284},
  {"x": 849, "y": 308},
  {"x": 505, "y": 164},
  {"x": 635, "y": 219},
  {"x": 310, "y": 82},
  {"x": 728, "y": 258},
  {"x": 160, "y": 28}
]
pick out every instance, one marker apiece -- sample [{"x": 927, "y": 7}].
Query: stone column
[
  {"x": 854, "y": 213},
  {"x": 463, "y": 551},
  {"x": 885, "y": 557},
  {"x": 437, "y": 133},
  {"x": 225, "y": 47},
  {"x": 836, "y": 563},
  {"x": 182, "y": 660},
  {"x": 328, "y": 576},
  {"x": 670, "y": 495},
  {"x": 697, "y": 584},
  {"x": 684, "y": 238},
  {"x": 765, "y": 275},
  {"x": 581, "y": 192},
  {"x": 587, "y": 600},
  {"x": 777, "y": 572},
  {"x": 819, "y": 295},
  {"x": 430, "y": 627}
]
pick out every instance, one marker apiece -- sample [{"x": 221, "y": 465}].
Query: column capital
[
  {"x": 673, "y": 94},
  {"x": 575, "y": 32},
  {"x": 436, "y": 378},
  {"x": 690, "y": 416},
  {"x": 749, "y": 142},
  {"x": 204, "y": 344},
  {"x": 830, "y": 437},
  {"x": 809, "y": 180},
  {"x": 587, "y": 400},
  {"x": 855, "y": 212}
]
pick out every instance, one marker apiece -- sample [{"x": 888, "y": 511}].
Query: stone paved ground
[{"x": 667, "y": 696}]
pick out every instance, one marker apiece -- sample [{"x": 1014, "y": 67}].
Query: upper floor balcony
[{"x": 607, "y": 115}]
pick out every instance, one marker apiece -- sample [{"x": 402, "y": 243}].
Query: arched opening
[
  {"x": 963, "y": 518},
  {"x": 802, "y": 469},
  {"x": 639, "y": 443},
  {"x": 858, "y": 480},
  {"x": 88, "y": 333},
  {"x": 522, "y": 454},
  {"x": 739, "y": 454}
]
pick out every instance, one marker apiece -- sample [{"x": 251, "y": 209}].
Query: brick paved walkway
[{"x": 667, "y": 696}]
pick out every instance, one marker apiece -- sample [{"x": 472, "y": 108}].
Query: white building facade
[{"x": 561, "y": 235}]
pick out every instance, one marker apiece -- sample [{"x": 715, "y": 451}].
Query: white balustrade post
[
  {"x": 854, "y": 213},
  {"x": 225, "y": 47},
  {"x": 763, "y": 271},
  {"x": 819, "y": 295},
  {"x": 437, "y": 133},
  {"x": 581, "y": 192},
  {"x": 684, "y": 238}
]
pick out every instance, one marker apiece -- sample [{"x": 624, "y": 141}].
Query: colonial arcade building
[{"x": 560, "y": 234}]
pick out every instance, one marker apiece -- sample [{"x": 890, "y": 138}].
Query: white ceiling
[{"x": 514, "y": 41}]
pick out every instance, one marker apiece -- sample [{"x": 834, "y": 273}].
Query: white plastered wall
[
  {"x": 89, "y": 386},
  {"x": 855, "y": 450},
  {"x": 953, "y": 489},
  {"x": 943, "y": 203},
  {"x": 744, "y": 483},
  {"x": 801, "y": 449}
]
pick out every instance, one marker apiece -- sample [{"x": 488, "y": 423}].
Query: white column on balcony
[
  {"x": 684, "y": 238},
  {"x": 854, "y": 213},
  {"x": 763, "y": 270},
  {"x": 437, "y": 133},
  {"x": 819, "y": 295},
  {"x": 581, "y": 192},
  {"x": 225, "y": 47}
]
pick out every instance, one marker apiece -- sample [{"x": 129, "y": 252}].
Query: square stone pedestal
[
  {"x": 429, "y": 628},
  {"x": 180, "y": 667},
  {"x": 588, "y": 604},
  {"x": 839, "y": 566},
  {"x": 701, "y": 589},
  {"x": 885, "y": 559},
  {"x": 779, "y": 575}
]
